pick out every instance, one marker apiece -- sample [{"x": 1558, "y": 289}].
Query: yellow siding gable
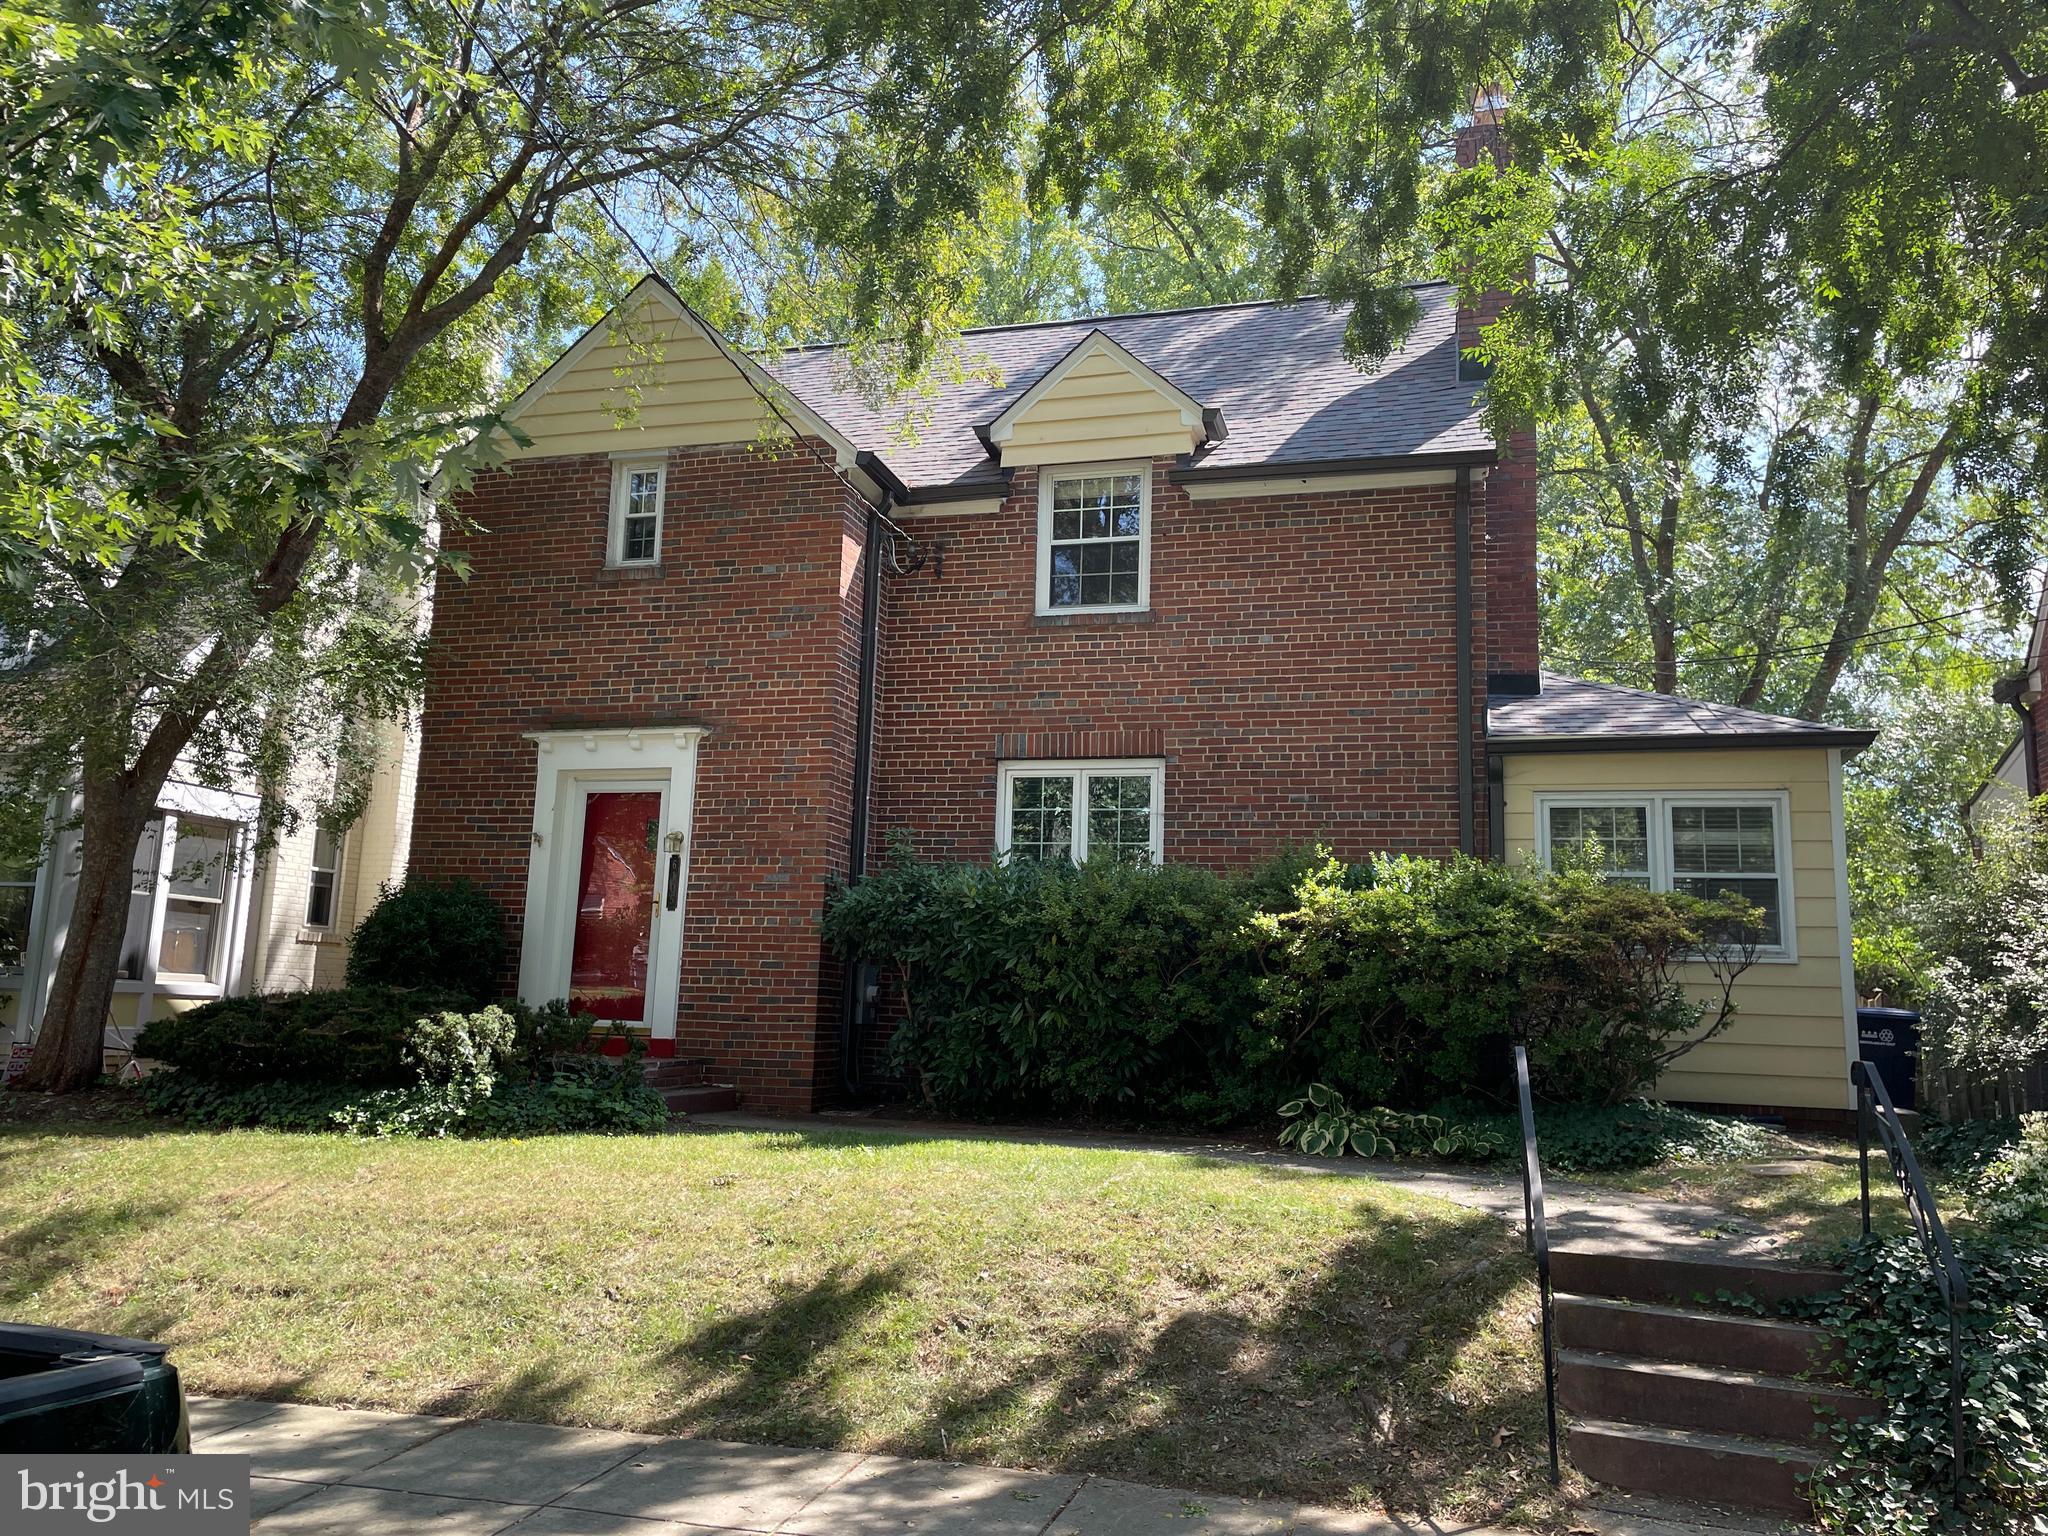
[
  {"x": 650, "y": 380},
  {"x": 1098, "y": 408},
  {"x": 1789, "y": 1044}
]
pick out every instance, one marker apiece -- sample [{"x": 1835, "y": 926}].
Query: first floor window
[
  {"x": 1707, "y": 848},
  {"x": 637, "y": 492},
  {"x": 322, "y": 878},
  {"x": 17, "y": 910},
  {"x": 1079, "y": 811},
  {"x": 178, "y": 900}
]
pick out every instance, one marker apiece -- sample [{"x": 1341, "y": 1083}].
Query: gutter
[
  {"x": 2013, "y": 691},
  {"x": 1850, "y": 742},
  {"x": 1461, "y": 522},
  {"x": 1271, "y": 469}
]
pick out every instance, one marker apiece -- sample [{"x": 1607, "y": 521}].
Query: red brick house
[{"x": 1188, "y": 585}]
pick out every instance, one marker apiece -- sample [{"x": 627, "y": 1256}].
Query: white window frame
[
  {"x": 333, "y": 890},
  {"x": 623, "y": 471},
  {"x": 1081, "y": 770},
  {"x": 1660, "y": 805},
  {"x": 1047, "y": 478}
]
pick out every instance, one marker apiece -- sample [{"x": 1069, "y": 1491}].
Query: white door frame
[{"x": 568, "y": 764}]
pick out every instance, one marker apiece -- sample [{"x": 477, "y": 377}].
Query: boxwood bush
[
  {"x": 444, "y": 934},
  {"x": 352, "y": 1034}
]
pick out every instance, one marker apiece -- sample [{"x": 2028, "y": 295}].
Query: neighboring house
[
  {"x": 206, "y": 920},
  {"x": 2022, "y": 772},
  {"x": 1188, "y": 586}
]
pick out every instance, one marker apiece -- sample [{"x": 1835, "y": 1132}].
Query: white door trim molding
[{"x": 566, "y": 762}]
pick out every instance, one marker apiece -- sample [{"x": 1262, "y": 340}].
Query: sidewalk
[{"x": 355, "y": 1472}]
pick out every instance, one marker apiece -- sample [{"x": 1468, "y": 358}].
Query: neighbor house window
[
  {"x": 180, "y": 902},
  {"x": 1079, "y": 811},
  {"x": 1093, "y": 529},
  {"x": 322, "y": 879},
  {"x": 17, "y": 910},
  {"x": 637, "y": 492},
  {"x": 1707, "y": 847}
]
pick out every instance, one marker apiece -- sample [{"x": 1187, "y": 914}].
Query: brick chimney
[{"x": 1510, "y": 495}]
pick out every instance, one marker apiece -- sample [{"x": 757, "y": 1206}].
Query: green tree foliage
[{"x": 263, "y": 264}]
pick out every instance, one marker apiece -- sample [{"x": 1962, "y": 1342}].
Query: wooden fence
[{"x": 1950, "y": 1092}]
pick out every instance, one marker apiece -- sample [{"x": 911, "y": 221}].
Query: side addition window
[
  {"x": 322, "y": 879},
  {"x": 1079, "y": 811},
  {"x": 638, "y": 489},
  {"x": 1094, "y": 529}
]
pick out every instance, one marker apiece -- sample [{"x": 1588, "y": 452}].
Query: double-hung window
[
  {"x": 1081, "y": 810},
  {"x": 180, "y": 906},
  {"x": 322, "y": 878},
  {"x": 1695, "y": 843},
  {"x": 1094, "y": 533},
  {"x": 17, "y": 912},
  {"x": 638, "y": 490}
]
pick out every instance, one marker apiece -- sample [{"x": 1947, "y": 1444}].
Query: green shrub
[
  {"x": 1106, "y": 987},
  {"x": 352, "y": 1034},
  {"x": 2012, "y": 1194},
  {"x": 449, "y": 935},
  {"x": 220, "y": 1106},
  {"x": 584, "y": 1093},
  {"x": 1960, "y": 1150},
  {"x": 1178, "y": 993},
  {"x": 1891, "y": 1476}
]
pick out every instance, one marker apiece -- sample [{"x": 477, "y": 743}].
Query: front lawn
[{"x": 1166, "y": 1319}]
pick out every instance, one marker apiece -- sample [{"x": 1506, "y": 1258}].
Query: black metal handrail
[
  {"x": 1874, "y": 1107},
  {"x": 1536, "y": 1236}
]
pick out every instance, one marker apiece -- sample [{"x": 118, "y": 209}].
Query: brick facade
[
  {"x": 748, "y": 627},
  {"x": 1296, "y": 670}
]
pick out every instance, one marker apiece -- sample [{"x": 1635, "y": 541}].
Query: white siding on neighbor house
[
  {"x": 1789, "y": 1044},
  {"x": 652, "y": 382},
  {"x": 284, "y": 954},
  {"x": 1099, "y": 410}
]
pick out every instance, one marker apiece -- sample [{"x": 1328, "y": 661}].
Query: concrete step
[
  {"x": 1698, "y": 1338},
  {"x": 1704, "y": 1397},
  {"x": 1687, "y": 1280},
  {"x": 1690, "y": 1463},
  {"x": 702, "y": 1099}
]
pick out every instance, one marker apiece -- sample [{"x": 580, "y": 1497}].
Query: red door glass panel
[{"x": 615, "y": 904}]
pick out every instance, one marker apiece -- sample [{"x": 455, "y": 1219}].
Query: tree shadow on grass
[{"x": 38, "y": 1253}]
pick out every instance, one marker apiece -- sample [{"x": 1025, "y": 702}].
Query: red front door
[{"x": 615, "y": 893}]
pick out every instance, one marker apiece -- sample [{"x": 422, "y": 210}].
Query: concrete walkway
[
  {"x": 355, "y": 1472},
  {"x": 1576, "y": 1213}
]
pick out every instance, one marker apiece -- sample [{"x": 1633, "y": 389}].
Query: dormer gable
[
  {"x": 653, "y": 375},
  {"x": 1100, "y": 401}
]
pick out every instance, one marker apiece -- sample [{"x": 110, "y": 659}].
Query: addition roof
[
  {"x": 1573, "y": 714},
  {"x": 1276, "y": 372}
]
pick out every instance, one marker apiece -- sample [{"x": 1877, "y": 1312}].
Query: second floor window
[
  {"x": 637, "y": 493},
  {"x": 1094, "y": 527},
  {"x": 322, "y": 879}
]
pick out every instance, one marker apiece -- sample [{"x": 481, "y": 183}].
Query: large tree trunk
[{"x": 68, "y": 1045}]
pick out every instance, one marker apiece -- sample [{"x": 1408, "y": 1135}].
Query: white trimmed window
[
  {"x": 1698, "y": 844},
  {"x": 639, "y": 486},
  {"x": 17, "y": 913},
  {"x": 1094, "y": 539},
  {"x": 323, "y": 878},
  {"x": 1081, "y": 810},
  {"x": 181, "y": 903}
]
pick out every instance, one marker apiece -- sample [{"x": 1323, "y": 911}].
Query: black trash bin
[
  {"x": 64, "y": 1391},
  {"x": 1889, "y": 1039}
]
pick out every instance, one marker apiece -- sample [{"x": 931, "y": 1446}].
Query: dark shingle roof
[
  {"x": 1571, "y": 712},
  {"x": 1276, "y": 371}
]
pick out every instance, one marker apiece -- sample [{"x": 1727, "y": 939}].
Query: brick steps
[
  {"x": 1675, "y": 1393},
  {"x": 1691, "y": 1464},
  {"x": 1728, "y": 1339},
  {"x": 681, "y": 1082}
]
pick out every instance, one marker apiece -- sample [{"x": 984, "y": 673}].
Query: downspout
[
  {"x": 2012, "y": 690},
  {"x": 1461, "y": 523},
  {"x": 852, "y": 1000}
]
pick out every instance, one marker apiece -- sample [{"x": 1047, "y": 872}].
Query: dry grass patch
[{"x": 1167, "y": 1319}]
